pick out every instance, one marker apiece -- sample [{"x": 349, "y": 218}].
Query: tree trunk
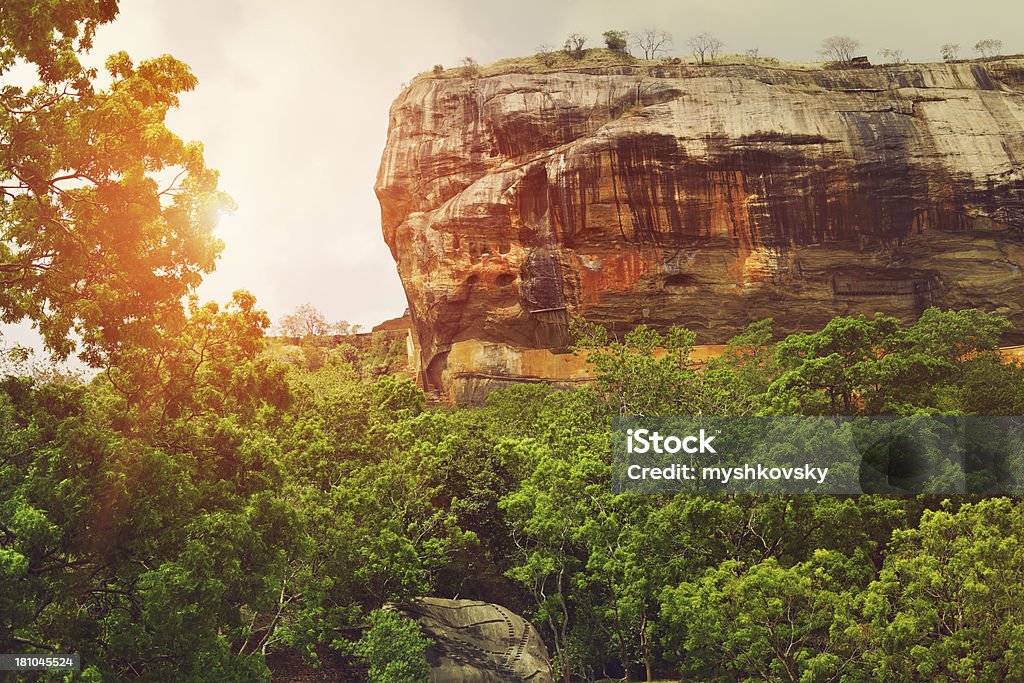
[{"x": 645, "y": 647}]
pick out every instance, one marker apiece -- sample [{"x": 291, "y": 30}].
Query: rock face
[
  {"x": 704, "y": 196},
  {"x": 479, "y": 642}
]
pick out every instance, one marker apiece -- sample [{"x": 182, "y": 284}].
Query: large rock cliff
[{"x": 703, "y": 196}]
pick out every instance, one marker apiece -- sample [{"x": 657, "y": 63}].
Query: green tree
[
  {"x": 139, "y": 557},
  {"x": 617, "y": 41},
  {"x": 387, "y": 503},
  {"x": 646, "y": 373},
  {"x": 740, "y": 377},
  {"x": 825, "y": 370},
  {"x": 203, "y": 363},
  {"x": 877, "y": 367},
  {"x": 106, "y": 216},
  {"x": 52, "y": 34},
  {"x": 583, "y": 553},
  {"x": 946, "y": 605},
  {"x": 763, "y": 622}
]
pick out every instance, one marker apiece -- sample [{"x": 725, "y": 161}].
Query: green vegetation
[
  {"x": 653, "y": 49},
  {"x": 549, "y": 60},
  {"x": 98, "y": 245},
  {"x": 616, "y": 41},
  {"x": 212, "y": 496},
  {"x": 394, "y": 649},
  {"x": 253, "y": 502}
]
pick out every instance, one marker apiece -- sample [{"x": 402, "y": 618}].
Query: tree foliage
[
  {"x": 617, "y": 41},
  {"x": 305, "y": 321},
  {"x": 945, "y": 605},
  {"x": 394, "y": 648},
  {"x": 259, "y": 505},
  {"x": 877, "y": 367},
  {"x": 106, "y": 216}
]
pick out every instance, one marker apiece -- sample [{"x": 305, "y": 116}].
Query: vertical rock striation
[{"x": 703, "y": 196}]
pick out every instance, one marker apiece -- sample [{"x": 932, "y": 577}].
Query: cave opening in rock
[{"x": 680, "y": 280}]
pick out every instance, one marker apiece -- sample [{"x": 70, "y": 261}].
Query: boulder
[{"x": 479, "y": 642}]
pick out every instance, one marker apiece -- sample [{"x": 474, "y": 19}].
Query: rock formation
[
  {"x": 479, "y": 642},
  {"x": 706, "y": 196}
]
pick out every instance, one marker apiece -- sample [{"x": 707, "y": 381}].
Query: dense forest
[
  {"x": 251, "y": 500},
  {"x": 209, "y": 497}
]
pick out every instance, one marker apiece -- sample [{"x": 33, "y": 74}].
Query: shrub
[
  {"x": 617, "y": 41},
  {"x": 547, "y": 54},
  {"x": 470, "y": 67},
  {"x": 394, "y": 648}
]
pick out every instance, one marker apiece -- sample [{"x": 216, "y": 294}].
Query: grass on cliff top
[
  {"x": 601, "y": 58},
  {"x": 595, "y": 58}
]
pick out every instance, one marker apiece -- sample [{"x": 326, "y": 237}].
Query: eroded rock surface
[
  {"x": 479, "y": 642},
  {"x": 704, "y": 196}
]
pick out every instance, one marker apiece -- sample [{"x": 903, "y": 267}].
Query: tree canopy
[{"x": 106, "y": 216}]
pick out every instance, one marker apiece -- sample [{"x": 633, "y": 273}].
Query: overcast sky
[{"x": 293, "y": 98}]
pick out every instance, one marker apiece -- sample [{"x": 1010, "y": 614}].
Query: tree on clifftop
[
  {"x": 989, "y": 47},
  {"x": 547, "y": 54},
  {"x": 652, "y": 42},
  {"x": 839, "y": 48},
  {"x": 892, "y": 55},
  {"x": 617, "y": 41},
  {"x": 574, "y": 44},
  {"x": 106, "y": 216},
  {"x": 705, "y": 47}
]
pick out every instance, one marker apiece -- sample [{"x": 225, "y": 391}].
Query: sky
[{"x": 292, "y": 103}]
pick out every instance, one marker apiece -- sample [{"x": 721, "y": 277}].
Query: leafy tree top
[{"x": 106, "y": 216}]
